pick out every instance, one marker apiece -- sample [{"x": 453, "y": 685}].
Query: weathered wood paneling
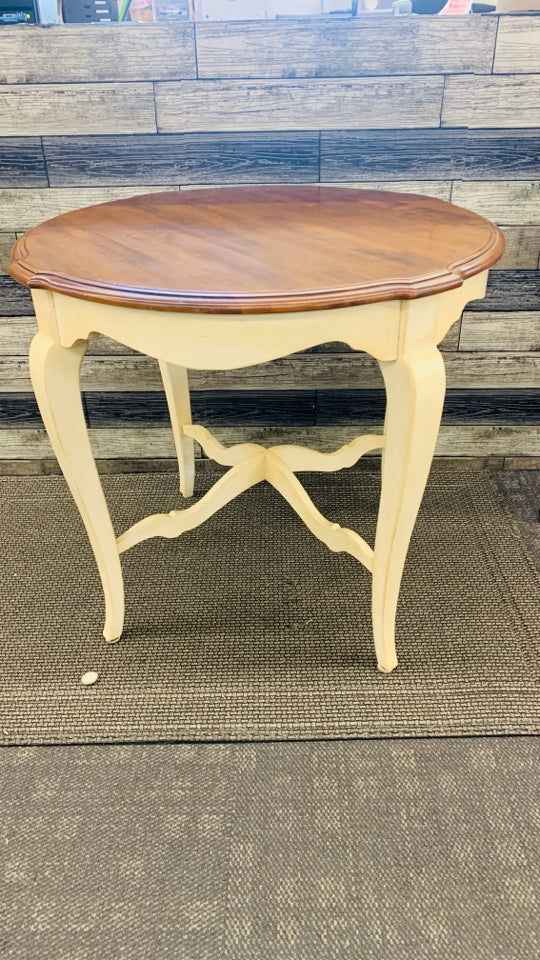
[
  {"x": 430, "y": 154},
  {"x": 492, "y": 102},
  {"x": 518, "y": 45},
  {"x": 298, "y": 104},
  {"x": 344, "y": 48},
  {"x": 32, "y": 54},
  {"x": 23, "y": 209},
  {"x": 6, "y": 243},
  {"x": 342, "y": 407},
  {"x": 22, "y": 163},
  {"x": 430, "y": 188},
  {"x": 349, "y": 371},
  {"x": 15, "y": 301},
  {"x": 501, "y": 331},
  {"x": 149, "y": 443},
  {"x": 511, "y": 202},
  {"x": 510, "y": 290},
  {"x": 202, "y": 158},
  {"x": 36, "y": 109},
  {"x": 267, "y": 407},
  {"x": 522, "y": 249}
]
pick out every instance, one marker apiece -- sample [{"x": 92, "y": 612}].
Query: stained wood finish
[
  {"x": 344, "y": 48},
  {"x": 32, "y": 54},
  {"x": 22, "y": 209},
  {"x": 202, "y": 158},
  {"x": 271, "y": 249},
  {"x": 518, "y": 45},
  {"x": 495, "y": 102},
  {"x": 299, "y": 104},
  {"x": 439, "y": 154},
  {"x": 22, "y": 163},
  {"x": 511, "y": 202},
  {"x": 36, "y": 109}
]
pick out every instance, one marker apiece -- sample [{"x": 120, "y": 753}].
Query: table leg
[
  {"x": 55, "y": 378},
  {"x": 415, "y": 387},
  {"x": 175, "y": 382}
]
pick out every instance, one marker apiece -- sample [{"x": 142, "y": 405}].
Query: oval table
[{"x": 225, "y": 278}]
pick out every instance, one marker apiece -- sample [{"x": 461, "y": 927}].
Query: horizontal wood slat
[
  {"x": 149, "y": 443},
  {"x": 301, "y": 372},
  {"x": 506, "y": 203},
  {"x": 36, "y": 109},
  {"x": 202, "y": 158},
  {"x": 518, "y": 45},
  {"x": 430, "y": 154},
  {"x": 509, "y": 290},
  {"x": 501, "y": 331},
  {"x": 22, "y": 209},
  {"x": 270, "y": 408},
  {"x": 6, "y": 243},
  {"x": 298, "y": 104},
  {"x": 522, "y": 249},
  {"x": 492, "y": 102},
  {"x": 15, "y": 300},
  {"x": 31, "y": 54},
  {"x": 22, "y": 163},
  {"x": 344, "y": 48}
]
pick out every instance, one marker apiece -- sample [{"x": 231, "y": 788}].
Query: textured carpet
[
  {"x": 366, "y": 850},
  {"x": 249, "y": 628}
]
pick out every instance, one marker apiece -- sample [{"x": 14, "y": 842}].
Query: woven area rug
[{"x": 248, "y": 628}]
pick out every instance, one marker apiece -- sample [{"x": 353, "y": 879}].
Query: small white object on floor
[{"x": 88, "y": 678}]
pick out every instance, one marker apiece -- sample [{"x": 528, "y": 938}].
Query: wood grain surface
[
  {"x": 366, "y": 103},
  {"x": 434, "y": 154},
  {"x": 33, "y": 55},
  {"x": 344, "y": 48},
  {"x": 509, "y": 101},
  {"x": 511, "y": 202},
  {"x": 271, "y": 249},
  {"x": 183, "y": 158},
  {"x": 22, "y": 163},
  {"x": 518, "y": 45},
  {"x": 32, "y": 109}
]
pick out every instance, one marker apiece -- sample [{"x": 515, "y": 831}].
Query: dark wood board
[
  {"x": 510, "y": 290},
  {"x": 183, "y": 159},
  {"x": 15, "y": 300},
  {"x": 22, "y": 163},
  {"x": 343, "y": 407},
  {"x": 430, "y": 154},
  {"x": 264, "y": 408}
]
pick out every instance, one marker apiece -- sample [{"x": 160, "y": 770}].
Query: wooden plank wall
[{"x": 444, "y": 106}]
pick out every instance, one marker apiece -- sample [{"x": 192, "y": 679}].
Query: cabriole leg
[
  {"x": 55, "y": 377},
  {"x": 175, "y": 382},
  {"x": 415, "y": 387}
]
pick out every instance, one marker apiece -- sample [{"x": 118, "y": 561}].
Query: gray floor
[{"x": 371, "y": 850}]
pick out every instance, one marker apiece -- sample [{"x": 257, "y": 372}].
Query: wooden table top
[{"x": 257, "y": 249}]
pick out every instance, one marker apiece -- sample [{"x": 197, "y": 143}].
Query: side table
[{"x": 226, "y": 278}]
